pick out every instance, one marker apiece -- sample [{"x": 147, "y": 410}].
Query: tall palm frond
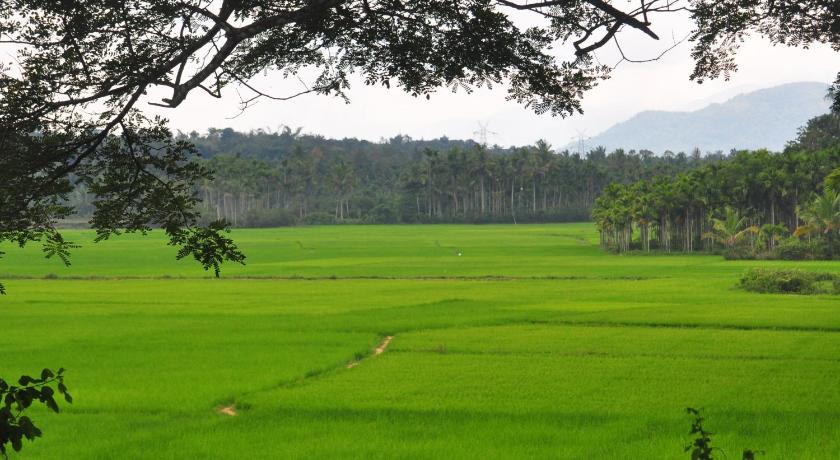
[{"x": 730, "y": 230}]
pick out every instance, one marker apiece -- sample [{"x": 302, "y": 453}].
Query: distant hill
[{"x": 766, "y": 118}]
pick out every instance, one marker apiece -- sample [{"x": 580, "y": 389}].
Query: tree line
[
  {"x": 747, "y": 205},
  {"x": 669, "y": 201},
  {"x": 265, "y": 178}
]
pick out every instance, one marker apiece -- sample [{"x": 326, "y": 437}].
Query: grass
[{"x": 531, "y": 344}]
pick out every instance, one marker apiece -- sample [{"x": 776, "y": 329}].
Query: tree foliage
[
  {"x": 701, "y": 447},
  {"x": 726, "y": 203},
  {"x": 16, "y": 399},
  {"x": 730, "y": 230},
  {"x": 822, "y": 218},
  {"x": 141, "y": 178},
  {"x": 819, "y": 133},
  {"x": 282, "y": 178}
]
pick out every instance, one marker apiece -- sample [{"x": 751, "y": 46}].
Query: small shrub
[
  {"x": 789, "y": 281},
  {"x": 739, "y": 253},
  {"x": 262, "y": 218},
  {"x": 795, "y": 249},
  {"x": 766, "y": 255},
  {"x": 319, "y": 218}
]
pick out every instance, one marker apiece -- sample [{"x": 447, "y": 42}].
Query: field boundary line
[
  {"x": 52, "y": 277},
  {"x": 653, "y": 325},
  {"x": 381, "y": 348},
  {"x": 597, "y": 354},
  {"x": 230, "y": 408}
]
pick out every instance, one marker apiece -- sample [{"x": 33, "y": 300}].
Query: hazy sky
[{"x": 375, "y": 112}]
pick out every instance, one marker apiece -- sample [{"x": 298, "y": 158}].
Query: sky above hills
[{"x": 376, "y": 113}]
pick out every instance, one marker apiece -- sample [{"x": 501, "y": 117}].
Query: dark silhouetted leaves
[
  {"x": 700, "y": 447},
  {"x": 15, "y": 427}
]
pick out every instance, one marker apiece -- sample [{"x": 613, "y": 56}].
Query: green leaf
[
  {"x": 17, "y": 445},
  {"x": 50, "y": 402}
]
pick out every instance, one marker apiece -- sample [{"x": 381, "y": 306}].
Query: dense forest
[
  {"x": 285, "y": 178},
  {"x": 756, "y": 203}
]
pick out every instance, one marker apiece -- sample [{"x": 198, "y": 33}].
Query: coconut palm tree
[
  {"x": 730, "y": 230},
  {"x": 832, "y": 181},
  {"x": 770, "y": 234},
  {"x": 822, "y": 218}
]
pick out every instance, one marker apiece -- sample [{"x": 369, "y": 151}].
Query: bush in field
[
  {"x": 789, "y": 282},
  {"x": 739, "y": 253},
  {"x": 795, "y": 249}
]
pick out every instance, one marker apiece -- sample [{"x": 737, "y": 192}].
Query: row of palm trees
[
  {"x": 298, "y": 183},
  {"x": 754, "y": 198},
  {"x": 533, "y": 183},
  {"x": 474, "y": 182}
]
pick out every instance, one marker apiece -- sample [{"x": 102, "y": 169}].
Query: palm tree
[
  {"x": 770, "y": 234},
  {"x": 731, "y": 230},
  {"x": 342, "y": 179},
  {"x": 822, "y": 218},
  {"x": 643, "y": 211},
  {"x": 431, "y": 162},
  {"x": 478, "y": 169},
  {"x": 832, "y": 181}
]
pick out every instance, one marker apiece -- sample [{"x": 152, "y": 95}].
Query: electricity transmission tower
[
  {"x": 483, "y": 133},
  {"x": 581, "y": 141}
]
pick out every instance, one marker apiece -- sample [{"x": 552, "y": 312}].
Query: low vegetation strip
[
  {"x": 790, "y": 281},
  {"x": 695, "y": 325}
]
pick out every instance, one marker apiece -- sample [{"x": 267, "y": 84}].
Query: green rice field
[{"x": 507, "y": 341}]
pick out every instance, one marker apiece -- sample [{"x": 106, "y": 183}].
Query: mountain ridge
[{"x": 764, "y": 118}]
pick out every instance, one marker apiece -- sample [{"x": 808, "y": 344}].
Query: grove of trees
[
  {"x": 350, "y": 181},
  {"x": 746, "y": 205},
  {"x": 671, "y": 201},
  {"x": 285, "y": 178}
]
